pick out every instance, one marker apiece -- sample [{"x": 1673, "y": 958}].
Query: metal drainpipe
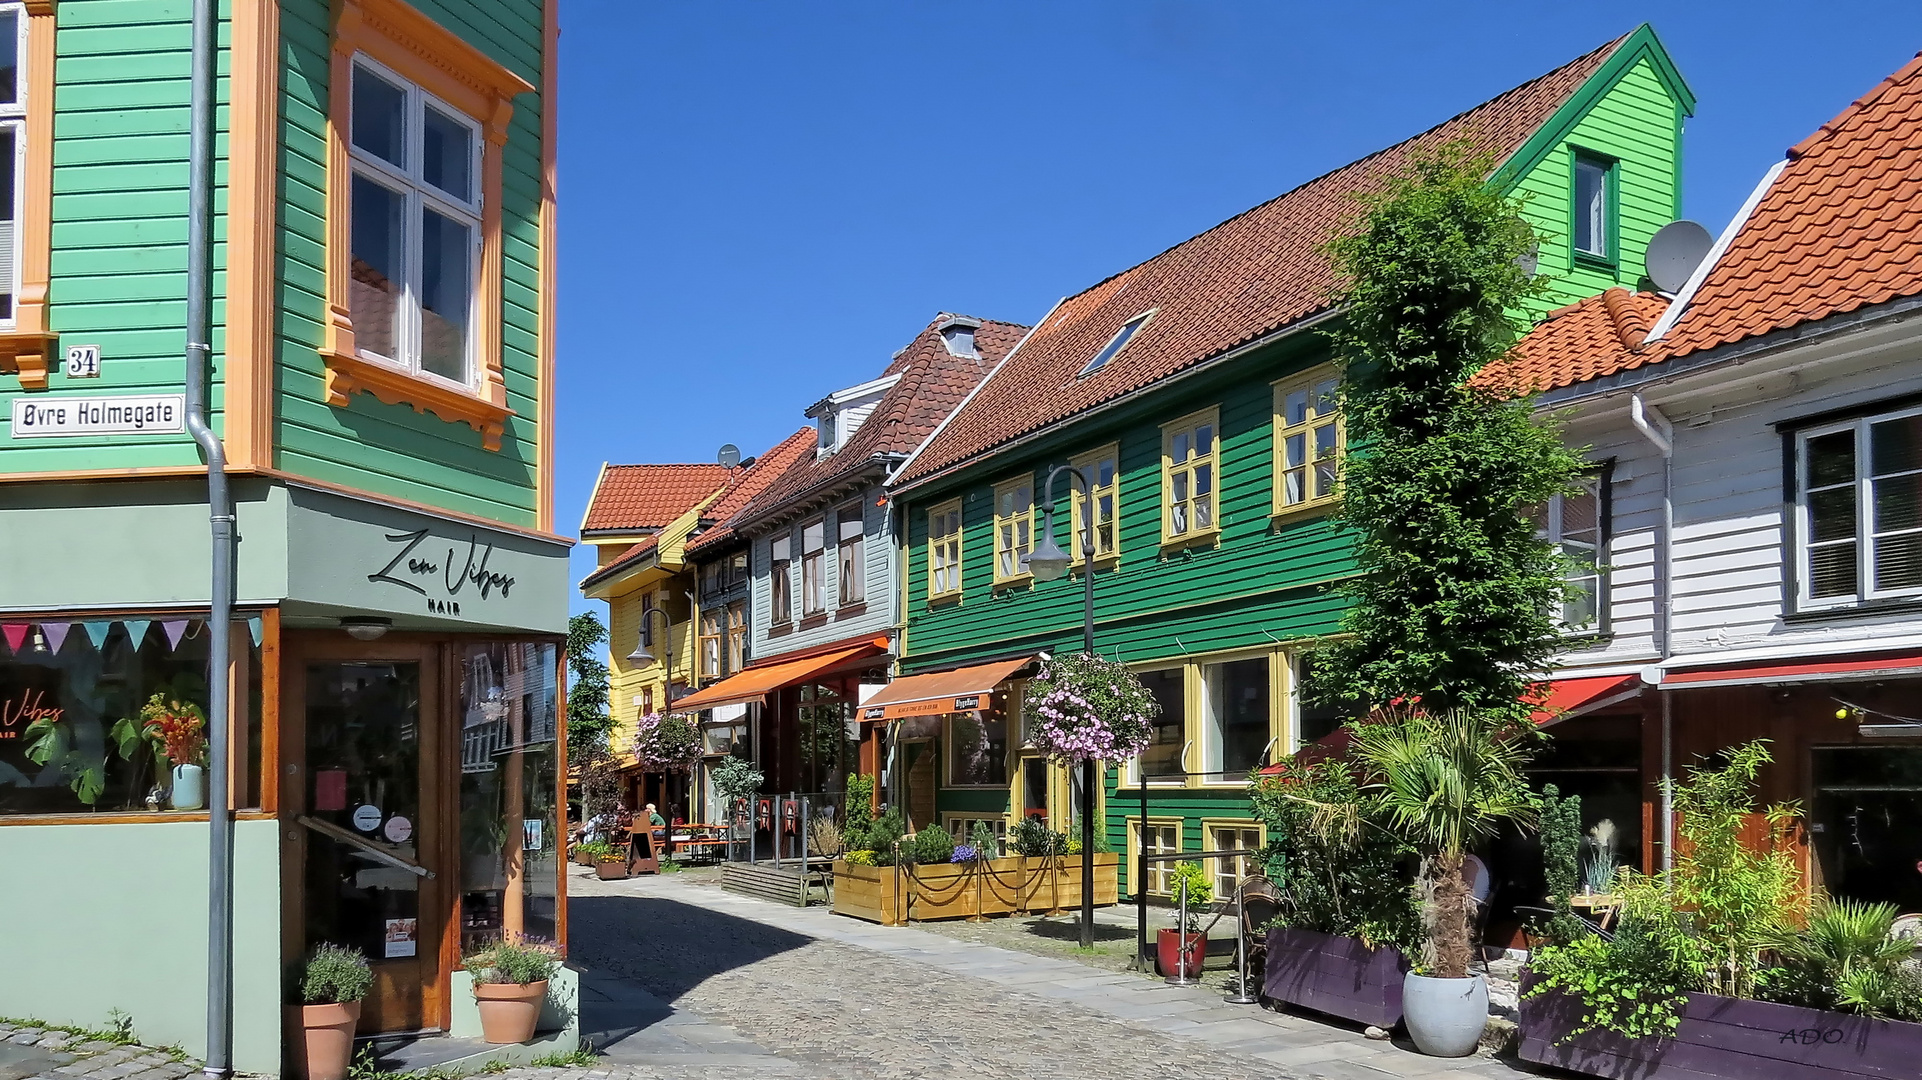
[
  {"x": 199, "y": 367},
  {"x": 1657, "y": 430}
]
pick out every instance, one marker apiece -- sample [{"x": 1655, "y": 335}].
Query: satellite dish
[
  {"x": 729, "y": 456},
  {"x": 1674, "y": 252}
]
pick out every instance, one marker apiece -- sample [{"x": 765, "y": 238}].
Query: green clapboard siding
[
  {"x": 391, "y": 449},
  {"x": 119, "y": 238}
]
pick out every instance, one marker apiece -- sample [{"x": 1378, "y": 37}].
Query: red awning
[
  {"x": 939, "y": 692},
  {"x": 1573, "y": 697},
  {"x": 756, "y": 683},
  {"x": 1795, "y": 671}
]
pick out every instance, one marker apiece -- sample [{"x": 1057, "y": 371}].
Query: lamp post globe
[{"x": 1047, "y": 561}]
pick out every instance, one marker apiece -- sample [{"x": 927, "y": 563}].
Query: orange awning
[
  {"x": 938, "y": 692},
  {"x": 1802, "y": 670},
  {"x": 1573, "y": 697},
  {"x": 756, "y": 683}
]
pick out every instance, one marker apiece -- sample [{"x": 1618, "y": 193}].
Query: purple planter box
[
  {"x": 1727, "y": 1039},
  {"x": 1336, "y": 975}
]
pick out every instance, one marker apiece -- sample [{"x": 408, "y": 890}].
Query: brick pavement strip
[
  {"x": 31, "y": 1052},
  {"x": 844, "y": 999}
]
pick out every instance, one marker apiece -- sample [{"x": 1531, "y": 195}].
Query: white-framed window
[
  {"x": 780, "y": 580},
  {"x": 813, "y": 566},
  {"x": 1858, "y": 536},
  {"x": 1577, "y": 524},
  {"x": 1236, "y": 717},
  {"x": 944, "y": 550},
  {"x": 13, "y": 151},
  {"x": 1229, "y": 872},
  {"x": 1157, "y": 838},
  {"x": 710, "y": 643},
  {"x": 1104, "y": 538},
  {"x": 1013, "y": 527},
  {"x": 851, "y": 568},
  {"x": 1592, "y": 217},
  {"x": 736, "y": 635},
  {"x": 1189, "y": 476},
  {"x": 1309, "y": 440},
  {"x": 416, "y": 226}
]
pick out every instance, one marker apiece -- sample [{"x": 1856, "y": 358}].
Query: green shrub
[
  {"x": 1847, "y": 960},
  {"x": 858, "y": 808},
  {"x": 859, "y": 858},
  {"x": 1200, "y": 886},
  {"x": 1071, "y": 840},
  {"x": 881, "y": 837},
  {"x": 933, "y": 844},
  {"x": 334, "y": 975},
  {"x": 503, "y": 962},
  {"x": 1031, "y": 836},
  {"x": 984, "y": 841},
  {"x": 1561, "y": 862}
]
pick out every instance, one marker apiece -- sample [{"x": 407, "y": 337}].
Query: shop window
[
  {"x": 1309, "y": 440},
  {"x": 851, "y": 571},
  {"x": 1867, "y": 801},
  {"x": 1102, "y": 534},
  {"x": 978, "y": 750},
  {"x": 1859, "y": 505},
  {"x": 812, "y": 567},
  {"x": 736, "y": 635},
  {"x": 1162, "y": 760},
  {"x": 1577, "y": 524},
  {"x": 725, "y": 738},
  {"x": 944, "y": 550},
  {"x": 780, "y": 581},
  {"x": 1229, "y": 873},
  {"x": 1189, "y": 477},
  {"x": 510, "y": 817},
  {"x": 74, "y": 700},
  {"x": 710, "y": 644},
  {"x": 1159, "y": 838},
  {"x": 1314, "y": 721},
  {"x": 1013, "y": 528},
  {"x": 1234, "y": 718}
]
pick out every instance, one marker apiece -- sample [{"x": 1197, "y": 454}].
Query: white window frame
[
  {"x": 418, "y": 195},
  {"x": 1552, "y": 531},
  {"x": 945, "y": 550},
  {"x": 814, "y": 586},
  {"x": 780, "y": 579},
  {"x": 850, "y": 566},
  {"x": 13, "y": 117},
  {"x": 1866, "y": 539}
]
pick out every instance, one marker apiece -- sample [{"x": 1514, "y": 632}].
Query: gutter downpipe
[
  {"x": 199, "y": 367},
  {"x": 1657, "y": 430}
]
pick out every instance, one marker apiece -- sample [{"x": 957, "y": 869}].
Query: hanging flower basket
[
  {"x": 667, "y": 742},
  {"x": 1084, "y": 707}
]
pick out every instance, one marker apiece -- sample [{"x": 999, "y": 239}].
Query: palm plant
[
  {"x": 1444, "y": 782},
  {"x": 1847, "y": 958}
]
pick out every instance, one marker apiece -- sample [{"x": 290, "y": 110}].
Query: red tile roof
[
  {"x": 1253, "y": 274},
  {"x": 636, "y": 497},
  {"x": 1597, "y": 336},
  {"x": 1838, "y": 230},
  {"x": 753, "y": 480},
  {"x": 933, "y": 382}
]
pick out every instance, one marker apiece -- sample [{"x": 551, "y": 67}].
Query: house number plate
[{"x": 83, "y": 362}]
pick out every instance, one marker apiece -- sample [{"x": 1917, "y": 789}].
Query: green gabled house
[{"x": 1196, "y": 390}]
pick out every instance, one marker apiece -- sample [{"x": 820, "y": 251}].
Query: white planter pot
[
  {"x": 189, "y": 787},
  {"x": 1445, "y": 1017}
]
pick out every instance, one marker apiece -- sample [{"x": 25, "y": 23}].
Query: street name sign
[{"x": 123, "y": 414}]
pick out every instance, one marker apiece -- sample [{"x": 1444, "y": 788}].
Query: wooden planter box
[
  {"x": 892, "y": 895},
  {"x": 1726, "y": 1039},
  {"x": 1339, "y": 976}
]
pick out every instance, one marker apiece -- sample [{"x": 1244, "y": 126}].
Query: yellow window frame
[
  {"x": 1110, "y": 492},
  {"x": 944, "y": 551},
  {"x": 1160, "y": 871},
  {"x": 1215, "y": 866},
  {"x": 1311, "y": 440},
  {"x": 1185, "y": 470},
  {"x": 1013, "y": 528}
]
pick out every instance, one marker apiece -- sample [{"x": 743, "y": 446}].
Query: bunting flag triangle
[
  {"x": 176, "y": 629},
  {"x": 253, "y": 627},
  {"x": 56, "y": 635},
  {"x": 97, "y": 633},
  {"x": 137, "y": 630},
  {"x": 16, "y": 632}
]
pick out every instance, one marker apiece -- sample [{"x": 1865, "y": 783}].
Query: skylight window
[{"x": 1118, "y": 342}]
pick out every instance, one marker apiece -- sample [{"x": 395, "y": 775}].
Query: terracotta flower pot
[
  {"x": 611, "y": 871},
  {"x": 509, "y": 1011},
  {"x": 327, "y": 1046},
  {"x": 583, "y": 856},
  {"x": 1169, "y": 947}
]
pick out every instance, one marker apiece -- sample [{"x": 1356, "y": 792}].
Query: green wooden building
[
  {"x": 1196, "y": 390},
  {"x": 382, "y": 384}
]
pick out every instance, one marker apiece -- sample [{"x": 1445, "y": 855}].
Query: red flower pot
[{"x": 1169, "y": 947}]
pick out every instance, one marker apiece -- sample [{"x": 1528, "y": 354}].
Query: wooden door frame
[{"x": 440, "y": 900}]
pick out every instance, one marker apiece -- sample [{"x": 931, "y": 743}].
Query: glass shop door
[{"x": 373, "y": 872}]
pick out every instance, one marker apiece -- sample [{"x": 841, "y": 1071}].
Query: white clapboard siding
[
  {"x": 1635, "y": 516},
  {"x": 877, "y": 552}
]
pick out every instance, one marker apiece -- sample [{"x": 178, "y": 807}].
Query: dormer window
[
  {"x": 839, "y": 415},
  {"x": 957, "y": 333},
  {"x": 1118, "y": 342},
  {"x": 825, "y": 425}
]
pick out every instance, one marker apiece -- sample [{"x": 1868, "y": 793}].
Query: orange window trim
[
  {"x": 252, "y": 180},
  {"x": 549, "y": 266},
  {"x": 434, "y": 58},
  {"x": 26, "y": 349}
]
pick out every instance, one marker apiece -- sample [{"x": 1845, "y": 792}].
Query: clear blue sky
[{"x": 761, "y": 201}]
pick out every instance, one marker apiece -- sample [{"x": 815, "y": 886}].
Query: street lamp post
[
  {"x": 1047, "y": 562},
  {"x": 640, "y": 655}
]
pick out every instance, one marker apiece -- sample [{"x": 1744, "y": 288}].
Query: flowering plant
[
  {"x": 178, "y": 726},
  {"x": 667, "y": 742},
  {"x": 1084, "y": 707},
  {"x": 965, "y": 853}
]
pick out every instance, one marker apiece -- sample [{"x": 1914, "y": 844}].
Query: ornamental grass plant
[
  {"x": 334, "y": 975},
  {"x": 511, "y": 962}
]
